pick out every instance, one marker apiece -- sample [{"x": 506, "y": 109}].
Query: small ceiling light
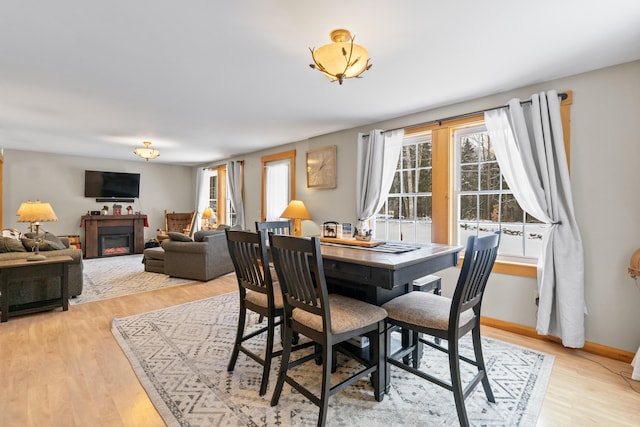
[
  {"x": 146, "y": 152},
  {"x": 342, "y": 59}
]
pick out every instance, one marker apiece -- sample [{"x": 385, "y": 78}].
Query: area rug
[
  {"x": 117, "y": 276},
  {"x": 180, "y": 356}
]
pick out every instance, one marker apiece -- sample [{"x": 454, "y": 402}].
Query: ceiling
[{"x": 206, "y": 80}]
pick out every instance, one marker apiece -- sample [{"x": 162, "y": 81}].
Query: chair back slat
[
  {"x": 479, "y": 258},
  {"x": 248, "y": 253},
  {"x": 300, "y": 271},
  {"x": 275, "y": 227}
]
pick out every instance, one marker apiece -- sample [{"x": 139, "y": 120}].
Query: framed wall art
[{"x": 322, "y": 167}]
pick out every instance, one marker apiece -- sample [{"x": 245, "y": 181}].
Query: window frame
[{"x": 443, "y": 179}]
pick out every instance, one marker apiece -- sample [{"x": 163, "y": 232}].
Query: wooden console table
[
  {"x": 93, "y": 222},
  {"x": 21, "y": 269}
]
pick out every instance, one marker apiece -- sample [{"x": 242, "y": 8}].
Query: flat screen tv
[{"x": 111, "y": 184}]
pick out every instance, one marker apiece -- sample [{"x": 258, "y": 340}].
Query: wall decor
[{"x": 322, "y": 167}]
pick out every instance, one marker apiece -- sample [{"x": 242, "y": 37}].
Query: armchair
[{"x": 176, "y": 222}]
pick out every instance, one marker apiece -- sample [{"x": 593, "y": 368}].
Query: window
[
  {"x": 217, "y": 195},
  {"x": 448, "y": 185},
  {"x": 485, "y": 203},
  {"x": 278, "y": 183},
  {"x": 406, "y": 215}
]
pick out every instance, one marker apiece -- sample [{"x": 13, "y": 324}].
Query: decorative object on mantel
[
  {"x": 342, "y": 59},
  {"x": 146, "y": 152},
  {"x": 297, "y": 212},
  {"x": 129, "y": 210},
  {"x": 34, "y": 213},
  {"x": 105, "y": 210},
  {"x": 117, "y": 209},
  {"x": 322, "y": 167}
]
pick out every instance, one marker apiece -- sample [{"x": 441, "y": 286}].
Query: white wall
[
  {"x": 59, "y": 180},
  {"x": 605, "y": 150}
]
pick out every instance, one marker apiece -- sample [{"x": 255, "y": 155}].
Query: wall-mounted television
[{"x": 111, "y": 184}]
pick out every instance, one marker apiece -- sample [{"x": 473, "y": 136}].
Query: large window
[
  {"x": 448, "y": 185},
  {"x": 217, "y": 196},
  {"x": 278, "y": 183},
  {"x": 406, "y": 215},
  {"x": 485, "y": 203}
]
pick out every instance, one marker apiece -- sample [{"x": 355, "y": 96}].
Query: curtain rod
[{"x": 562, "y": 96}]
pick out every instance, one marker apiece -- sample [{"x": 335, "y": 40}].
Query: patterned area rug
[
  {"x": 118, "y": 276},
  {"x": 180, "y": 356}
]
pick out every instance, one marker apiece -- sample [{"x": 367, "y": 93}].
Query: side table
[{"x": 21, "y": 269}]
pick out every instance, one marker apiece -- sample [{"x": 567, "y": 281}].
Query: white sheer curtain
[
  {"x": 202, "y": 195},
  {"x": 234, "y": 182},
  {"x": 529, "y": 146},
  {"x": 377, "y": 158},
  {"x": 277, "y": 175}
]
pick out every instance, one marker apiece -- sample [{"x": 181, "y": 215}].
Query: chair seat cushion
[
  {"x": 424, "y": 309},
  {"x": 258, "y": 298},
  {"x": 347, "y": 314}
]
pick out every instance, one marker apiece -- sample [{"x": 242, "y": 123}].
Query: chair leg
[
  {"x": 387, "y": 352},
  {"x": 242, "y": 315},
  {"x": 477, "y": 349},
  {"x": 328, "y": 361},
  {"x": 284, "y": 365},
  {"x": 456, "y": 383},
  {"x": 376, "y": 356},
  {"x": 268, "y": 355}
]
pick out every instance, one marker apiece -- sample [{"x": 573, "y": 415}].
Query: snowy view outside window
[{"x": 483, "y": 201}]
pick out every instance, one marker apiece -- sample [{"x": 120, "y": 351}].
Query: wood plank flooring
[{"x": 66, "y": 369}]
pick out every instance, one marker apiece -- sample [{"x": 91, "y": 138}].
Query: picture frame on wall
[{"x": 322, "y": 167}]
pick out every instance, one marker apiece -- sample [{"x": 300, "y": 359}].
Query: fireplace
[
  {"x": 109, "y": 235},
  {"x": 114, "y": 241}
]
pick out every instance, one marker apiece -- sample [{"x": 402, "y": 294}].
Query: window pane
[
  {"x": 408, "y": 208},
  {"x": 468, "y": 152},
  {"x": 423, "y": 207},
  {"x": 469, "y": 177},
  {"x": 487, "y": 202},
  {"x": 394, "y": 207},
  {"x": 490, "y": 176},
  {"x": 468, "y": 207},
  {"x": 395, "y": 185},
  {"x": 531, "y": 220},
  {"x": 409, "y": 181},
  {"x": 511, "y": 210},
  {"x": 424, "y": 181},
  {"x": 485, "y": 147},
  {"x": 424, "y": 154},
  {"x": 408, "y": 156},
  {"x": 408, "y": 231}
]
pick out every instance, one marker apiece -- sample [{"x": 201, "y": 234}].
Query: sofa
[
  {"x": 202, "y": 258},
  {"x": 42, "y": 289}
]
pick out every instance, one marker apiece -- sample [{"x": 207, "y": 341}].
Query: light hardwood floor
[{"x": 66, "y": 369}]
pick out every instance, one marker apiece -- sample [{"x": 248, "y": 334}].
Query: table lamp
[
  {"x": 297, "y": 212},
  {"x": 207, "y": 214},
  {"x": 34, "y": 213}
]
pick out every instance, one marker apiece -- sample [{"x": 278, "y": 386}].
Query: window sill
[{"x": 512, "y": 267}]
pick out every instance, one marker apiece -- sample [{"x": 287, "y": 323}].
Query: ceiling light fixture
[
  {"x": 146, "y": 152},
  {"x": 342, "y": 59}
]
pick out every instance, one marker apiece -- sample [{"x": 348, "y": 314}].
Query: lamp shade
[
  {"x": 207, "y": 213},
  {"x": 342, "y": 59},
  {"x": 147, "y": 152},
  {"x": 36, "y": 212},
  {"x": 296, "y": 210}
]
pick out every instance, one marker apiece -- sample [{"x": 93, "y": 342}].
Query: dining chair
[
  {"x": 258, "y": 293},
  {"x": 326, "y": 319},
  {"x": 448, "y": 319},
  {"x": 276, "y": 227}
]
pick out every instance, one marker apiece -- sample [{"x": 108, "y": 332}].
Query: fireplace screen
[{"x": 115, "y": 241}]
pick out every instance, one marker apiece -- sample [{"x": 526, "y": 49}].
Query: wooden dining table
[{"x": 377, "y": 275}]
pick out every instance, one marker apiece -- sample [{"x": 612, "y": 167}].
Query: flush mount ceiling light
[
  {"x": 342, "y": 59},
  {"x": 147, "y": 152}
]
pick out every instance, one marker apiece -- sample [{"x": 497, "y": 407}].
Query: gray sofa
[
  {"x": 42, "y": 289},
  {"x": 203, "y": 259}
]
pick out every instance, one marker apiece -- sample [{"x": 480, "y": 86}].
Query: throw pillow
[
  {"x": 30, "y": 244},
  {"x": 199, "y": 236},
  {"x": 9, "y": 244},
  {"x": 54, "y": 241},
  {"x": 180, "y": 237}
]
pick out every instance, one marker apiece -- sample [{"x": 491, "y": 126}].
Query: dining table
[{"x": 379, "y": 273}]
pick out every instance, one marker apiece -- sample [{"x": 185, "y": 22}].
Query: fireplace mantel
[{"x": 92, "y": 224}]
